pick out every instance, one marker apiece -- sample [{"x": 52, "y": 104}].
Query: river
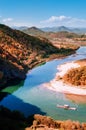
[{"x": 32, "y": 98}]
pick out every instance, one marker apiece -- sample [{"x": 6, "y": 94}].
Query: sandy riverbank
[{"x": 57, "y": 84}]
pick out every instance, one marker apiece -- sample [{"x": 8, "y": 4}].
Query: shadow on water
[
  {"x": 13, "y": 88},
  {"x": 2, "y": 95},
  {"x": 15, "y": 103},
  {"x": 11, "y": 82},
  {"x": 10, "y": 89},
  {"x": 11, "y": 113}
]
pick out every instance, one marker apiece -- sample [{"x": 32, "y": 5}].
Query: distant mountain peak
[
  {"x": 33, "y": 28},
  {"x": 64, "y": 28},
  {"x": 34, "y": 31}
]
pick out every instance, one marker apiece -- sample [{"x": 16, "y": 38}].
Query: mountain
[
  {"x": 79, "y": 30},
  {"x": 62, "y": 32},
  {"x": 34, "y": 31},
  {"x": 63, "y": 28},
  {"x": 50, "y": 29},
  {"x": 56, "y": 29},
  {"x": 19, "y": 28},
  {"x": 20, "y": 52}
]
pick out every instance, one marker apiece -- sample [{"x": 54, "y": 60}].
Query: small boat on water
[{"x": 66, "y": 107}]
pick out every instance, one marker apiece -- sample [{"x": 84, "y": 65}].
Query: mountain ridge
[
  {"x": 64, "y": 28},
  {"x": 34, "y": 31},
  {"x": 77, "y": 30}
]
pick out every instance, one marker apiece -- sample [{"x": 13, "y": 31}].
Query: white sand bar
[{"x": 60, "y": 86}]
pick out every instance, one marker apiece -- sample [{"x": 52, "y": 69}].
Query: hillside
[
  {"x": 56, "y": 29},
  {"x": 77, "y": 76},
  {"x": 62, "y": 32},
  {"x": 64, "y": 28},
  {"x": 77, "y": 30},
  {"x": 20, "y": 52},
  {"x": 34, "y": 31},
  {"x": 40, "y": 122},
  {"x": 14, "y": 120},
  {"x": 62, "y": 36}
]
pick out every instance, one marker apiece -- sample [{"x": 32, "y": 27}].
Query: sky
[{"x": 43, "y": 13}]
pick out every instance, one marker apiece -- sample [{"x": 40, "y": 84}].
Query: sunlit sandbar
[{"x": 57, "y": 84}]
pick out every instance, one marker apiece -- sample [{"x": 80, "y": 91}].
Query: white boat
[{"x": 66, "y": 107}]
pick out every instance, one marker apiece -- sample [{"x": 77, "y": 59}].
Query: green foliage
[{"x": 12, "y": 89}]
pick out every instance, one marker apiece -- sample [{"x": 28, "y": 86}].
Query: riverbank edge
[
  {"x": 22, "y": 75},
  {"x": 58, "y": 84}
]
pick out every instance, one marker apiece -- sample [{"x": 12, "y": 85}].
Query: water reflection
[{"x": 79, "y": 99}]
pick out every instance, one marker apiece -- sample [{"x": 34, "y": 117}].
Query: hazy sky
[{"x": 43, "y": 13}]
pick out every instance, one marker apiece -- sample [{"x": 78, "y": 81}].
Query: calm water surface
[{"x": 33, "y": 98}]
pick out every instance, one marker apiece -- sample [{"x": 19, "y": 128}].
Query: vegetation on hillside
[
  {"x": 42, "y": 122},
  {"x": 60, "y": 37},
  {"x": 76, "y": 76},
  {"x": 14, "y": 120},
  {"x": 34, "y": 31},
  {"x": 60, "y": 34},
  {"x": 22, "y": 49},
  {"x": 20, "y": 52}
]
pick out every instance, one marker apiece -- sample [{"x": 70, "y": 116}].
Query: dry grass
[
  {"x": 46, "y": 123},
  {"x": 77, "y": 76}
]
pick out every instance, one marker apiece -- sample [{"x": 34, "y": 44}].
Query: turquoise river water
[{"x": 32, "y": 97}]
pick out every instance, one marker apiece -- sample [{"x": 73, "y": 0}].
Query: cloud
[
  {"x": 18, "y": 24},
  {"x": 61, "y": 20},
  {"x": 55, "y": 18},
  {"x": 11, "y": 22},
  {"x": 7, "y": 20},
  {"x": 64, "y": 20}
]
